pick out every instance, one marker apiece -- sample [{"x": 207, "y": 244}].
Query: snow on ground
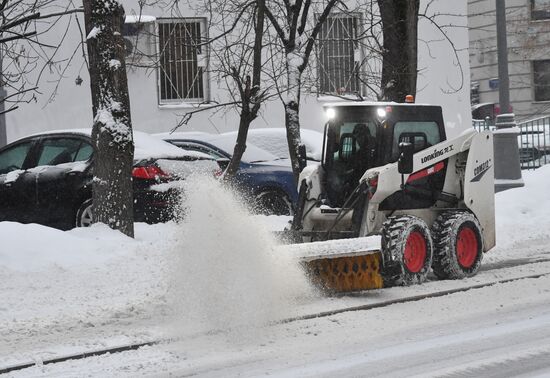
[
  {"x": 212, "y": 282},
  {"x": 523, "y": 218}
]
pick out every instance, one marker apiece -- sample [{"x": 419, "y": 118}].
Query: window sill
[
  {"x": 541, "y": 102},
  {"x": 185, "y": 105}
]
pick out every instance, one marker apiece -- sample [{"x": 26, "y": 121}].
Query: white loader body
[
  {"x": 393, "y": 199},
  {"x": 472, "y": 180}
]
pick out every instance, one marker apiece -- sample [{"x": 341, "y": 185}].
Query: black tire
[
  {"x": 458, "y": 245},
  {"x": 407, "y": 250},
  {"x": 84, "y": 214},
  {"x": 273, "y": 202}
]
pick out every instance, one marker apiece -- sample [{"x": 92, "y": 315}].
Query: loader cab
[{"x": 362, "y": 136}]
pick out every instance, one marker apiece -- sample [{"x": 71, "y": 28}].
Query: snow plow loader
[{"x": 393, "y": 198}]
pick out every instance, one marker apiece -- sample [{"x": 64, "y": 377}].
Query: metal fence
[
  {"x": 533, "y": 140},
  {"x": 534, "y": 143}
]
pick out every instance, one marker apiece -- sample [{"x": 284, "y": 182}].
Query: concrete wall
[
  {"x": 443, "y": 80},
  {"x": 528, "y": 40}
]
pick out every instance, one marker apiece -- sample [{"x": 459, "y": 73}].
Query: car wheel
[
  {"x": 84, "y": 215},
  {"x": 273, "y": 202}
]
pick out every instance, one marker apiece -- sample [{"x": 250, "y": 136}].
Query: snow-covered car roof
[
  {"x": 372, "y": 103},
  {"x": 225, "y": 142},
  {"x": 274, "y": 141},
  {"x": 145, "y": 145}
]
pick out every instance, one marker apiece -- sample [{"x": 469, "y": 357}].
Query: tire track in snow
[{"x": 525, "y": 363}]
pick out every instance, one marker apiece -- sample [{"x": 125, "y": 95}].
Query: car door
[
  {"x": 17, "y": 188},
  {"x": 63, "y": 178}
]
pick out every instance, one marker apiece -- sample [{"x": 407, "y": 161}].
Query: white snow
[
  {"x": 145, "y": 145},
  {"x": 43, "y": 247},
  {"x": 93, "y": 33},
  {"x": 114, "y": 63},
  {"x": 119, "y": 131},
  {"x": 211, "y": 283},
  {"x": 274, "y": 141},
  {"x": 13, "y": 175},
  {"x": 224, "y": 142},
  {"x": 134, "y": 18}
]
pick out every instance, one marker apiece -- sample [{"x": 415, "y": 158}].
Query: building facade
[
  {"x": 528, "y": 35},
  {"x": 171, "y": 72}
]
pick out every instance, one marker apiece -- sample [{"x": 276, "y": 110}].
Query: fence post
[{"x": 507, "y": 163}]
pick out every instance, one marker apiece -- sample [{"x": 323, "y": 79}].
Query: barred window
[
  {"x": 541, "y": 79},
  {"x": 540, "y": 9},
  {"x": 182, "y": 75},
  {"x": 337, "y": 48}
]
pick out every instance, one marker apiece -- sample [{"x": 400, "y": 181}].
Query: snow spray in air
[{"x": 228, "y": 273}]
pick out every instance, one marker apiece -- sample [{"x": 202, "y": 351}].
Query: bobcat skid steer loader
[{"x": 394, "y": 198}]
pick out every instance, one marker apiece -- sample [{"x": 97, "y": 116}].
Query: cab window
[
  {"x": 14, "y": 157},
  {"x": 429, "y": 128},
  {"x": 354, "y": 140}
]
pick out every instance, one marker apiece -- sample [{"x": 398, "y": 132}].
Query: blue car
[{"x": 266, "y": 181}]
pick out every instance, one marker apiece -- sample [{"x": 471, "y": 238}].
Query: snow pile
[
  {"x": 228, "y": 273},
  {"x": 32, "y": 247},
  {"x": 523, "y": 214}
]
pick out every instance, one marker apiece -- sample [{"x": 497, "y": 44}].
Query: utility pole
[
  {"x": 502, "y": 47},
  {"x": 507, "y": 163}
]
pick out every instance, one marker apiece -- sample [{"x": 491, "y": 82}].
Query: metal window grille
[
  {"x": 181, "y": 76},
  {"x": 337, "y": 66},
  {"x": 540, "y": 9},
  {"x": 541, "y": 79}
]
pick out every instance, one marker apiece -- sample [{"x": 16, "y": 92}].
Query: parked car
[
  {"x": 274, "y": 140},
  {"x": 487, "y": 112},
  {"x": 47, "y": 178},
  {"x": 266, "y": 181}
]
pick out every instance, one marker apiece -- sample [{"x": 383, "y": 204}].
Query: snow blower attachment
[
  {"x": 342, "y": 265},
  {"x": 393, "y": 198}
]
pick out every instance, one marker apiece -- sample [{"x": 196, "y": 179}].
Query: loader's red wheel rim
[
  {"x": 466, "y": 247},
  {"x": 415, "y": 252}
]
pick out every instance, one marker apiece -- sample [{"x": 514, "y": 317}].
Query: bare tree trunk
[
  {"x": 291, "y": 26},
  {"x": 112, "y": 129},
  {"x": 251, "y": 98},
  {"x": 400, "y": 50},
  {"x": 292, "y": 112}
]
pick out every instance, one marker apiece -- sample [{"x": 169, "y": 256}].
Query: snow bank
[
  {"x": 523, "y": 214},
  {"x": 32, "y": 247}
]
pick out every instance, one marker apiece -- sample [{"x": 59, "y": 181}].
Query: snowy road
[{"x": 501, "y": 330}]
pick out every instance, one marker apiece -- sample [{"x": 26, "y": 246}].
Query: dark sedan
[
  {"x": 266, "y": 180},
  {"x": 47, "y": 178}
]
